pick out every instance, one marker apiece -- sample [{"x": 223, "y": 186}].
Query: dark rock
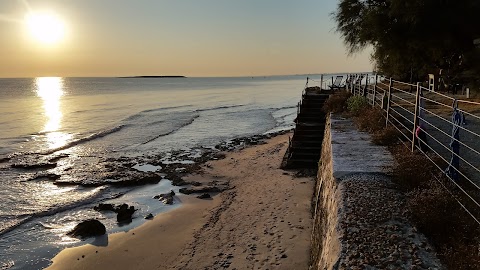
[
  {"x": 124, "y": 213},
  {"x": 135, "y": 180},
  {"x": 204, "y": 196},
  {"x": 5, "y": 159},
  {"x": 195, "y": 183},
  {"x": 44, "y": 165},
  {"x": 49, "y": 176},
  {"x": 88, "y": 228},
  {"x": 203, "y": 189},
  {"x": 149, "y": 216},
  {"x": 105, "y": 207},
  {"x": 166, "y": 198},
  {"x": 57, "y": 158},
  {"x": 176, "y": 179}
]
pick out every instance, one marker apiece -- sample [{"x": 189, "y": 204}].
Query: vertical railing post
[
  {"x": 389, "y": 98},
  {"x": 458, "y": 119},
  {"x": 321, "y": 82},
  {"x": 415, "y": 119},
  {"x": 375, "y": 90},
  {"x": 352, "y": 84},
  {"x": 346, "y": 82},
  {"x": 365, "y": 88},
  {"x": 357, "y": 91}
]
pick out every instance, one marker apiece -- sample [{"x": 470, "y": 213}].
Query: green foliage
[
  {"x": 411, "y": 38},
  {"x": 356, "y": 104}
]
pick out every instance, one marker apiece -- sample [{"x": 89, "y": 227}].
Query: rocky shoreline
[
  {"x": 120, "y": 171},
  {"x": 126, "y": 171},
  {"x": 262, "y": 221}
]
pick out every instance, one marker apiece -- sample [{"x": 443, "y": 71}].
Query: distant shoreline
[{"x": 149, "y": 77}]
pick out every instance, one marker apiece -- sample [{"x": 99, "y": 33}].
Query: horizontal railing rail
[{"x": 446, "y": 129}]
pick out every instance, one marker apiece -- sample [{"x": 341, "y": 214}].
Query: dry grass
[
  {"x": 370, "y": 119},
  {"x": 337, "y": 102},
  {"x": 412, "y": 170},
  {"x": 387, "y": 136},
  {"x": 434, "y": 211}
]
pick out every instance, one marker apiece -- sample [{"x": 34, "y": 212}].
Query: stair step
[
  {"x": 308, "y": 133},
  {"x": 300, "y": 163},
  {"x": 313, "y": 126},
  {"x": 306, "y": 148},
  {"x": 306, "y": 155},
  {"x": 319, "y": 130},
  {"x": 307, "y": 145}
]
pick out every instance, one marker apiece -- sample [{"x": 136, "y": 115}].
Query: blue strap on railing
[{"x": 457, "y": 120}]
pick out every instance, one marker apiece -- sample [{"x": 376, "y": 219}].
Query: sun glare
[
  {"x": 50, "y": 90},
  {"x": 45, "y": 27}
]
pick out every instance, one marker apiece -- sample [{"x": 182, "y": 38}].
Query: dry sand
[{"x": 262, "y": 222}]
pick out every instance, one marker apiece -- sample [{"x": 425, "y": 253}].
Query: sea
[{"x": 62, "y": 140}]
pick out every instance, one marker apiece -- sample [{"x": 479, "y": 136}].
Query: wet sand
[{"x": 262, "y": 222}]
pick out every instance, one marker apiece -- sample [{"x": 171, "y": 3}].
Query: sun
[{"x": 46, "y": 28}]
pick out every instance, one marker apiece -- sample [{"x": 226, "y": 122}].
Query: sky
[{"x": 177, "y": 37}]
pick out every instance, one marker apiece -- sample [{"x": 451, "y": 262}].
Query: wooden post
[
  {"x": 389, "y": 98},
  {"x": 415, "y": 119}
]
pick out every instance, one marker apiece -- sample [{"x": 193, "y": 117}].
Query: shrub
[
  {"x": 412, "y": 170},
  {"x": 454, "y": 233},
  {"x": 386, "y": 137},
  {"x": 337, "y": 102},
  {"x": 370, "y": 119},
  {"x": 356, "y": 104},
  {"x": 437, "y": 214}
]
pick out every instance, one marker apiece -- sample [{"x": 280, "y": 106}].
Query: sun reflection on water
[{"x": 50, "y": 90}]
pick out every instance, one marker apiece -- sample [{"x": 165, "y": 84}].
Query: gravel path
[{"x": 375, "y": 230}]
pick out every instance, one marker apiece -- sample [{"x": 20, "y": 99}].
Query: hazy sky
[{"x": 177, "y": 37}]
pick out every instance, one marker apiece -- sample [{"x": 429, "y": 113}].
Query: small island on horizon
[{"x": 149, "y": 77}]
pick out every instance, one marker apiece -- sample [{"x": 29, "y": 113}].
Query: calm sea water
[{"x": 88, "y": 119}]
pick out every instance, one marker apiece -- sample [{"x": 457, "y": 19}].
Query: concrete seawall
[{"x": 360, "y": 221}]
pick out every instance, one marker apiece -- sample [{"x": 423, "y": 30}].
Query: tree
[{"x": 411, "y": 38}]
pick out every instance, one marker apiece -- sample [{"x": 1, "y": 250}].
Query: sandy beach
[{"x": 262, "y": 221}]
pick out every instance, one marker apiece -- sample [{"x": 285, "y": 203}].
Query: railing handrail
[{"x": 415, "y": 105}]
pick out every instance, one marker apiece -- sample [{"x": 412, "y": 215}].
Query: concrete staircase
[{"x": 306, "y": 144}]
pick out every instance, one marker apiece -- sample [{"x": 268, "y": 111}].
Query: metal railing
[{"x": 446, "y": 129}]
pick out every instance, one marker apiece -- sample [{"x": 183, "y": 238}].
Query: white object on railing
[
  {"x": 431, "y": 82},
  {"x": 467, "y": 92}
]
